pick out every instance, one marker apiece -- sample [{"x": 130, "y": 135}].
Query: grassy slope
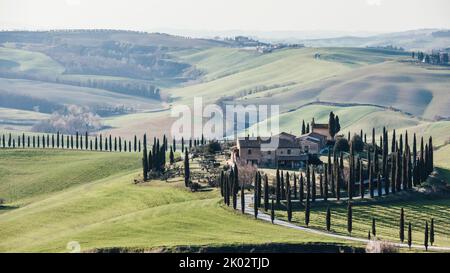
[
  {"x": 31, "y": 62},
  {"x": 282, "y": 67},
  {"x": 30, "y": 173},
  {"x": 65, "y": 94},
  {"x": 387, "y": 215},
  {"x": 113, "y": 212},
  {"x": 416, "y": 89}
]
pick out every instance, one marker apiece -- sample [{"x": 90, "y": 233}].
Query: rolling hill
[{"x": 105, "y": 209}]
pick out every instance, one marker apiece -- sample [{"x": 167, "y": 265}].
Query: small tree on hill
[
  {"x": 349, "y": 217},
  {"x": 402, "y": 226},
  {"x": 187, "y": 172},
  {"x": 409, "y": 235},
  {"x": 328, "y": 219}
]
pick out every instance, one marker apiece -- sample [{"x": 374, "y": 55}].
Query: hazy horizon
[{"x": 356, "y": 17}]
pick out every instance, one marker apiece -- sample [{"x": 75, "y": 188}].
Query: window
[
  {"x": 249, "y": 151},
  {"x": 269, "y": 152},
  {"x": 289, "y": 151}
]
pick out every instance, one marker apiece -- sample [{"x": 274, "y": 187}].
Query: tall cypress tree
[
  {"x": 266, "y": 193},
  {"x": 171, "y": 156},
  {"x": 242, "y": 198},
  {"x": 255, "y": 206},
  {"x": 432, "y": 231},
  {"x": 325, "y": 184},
  {"x": 425, "y": 243},
  {"x": 409, "y": 235},
  {"x": 349, "y": 217},
  {"x": 272, "y": 211},
  {"x": 278, "y": 187},
  {"x": 307, "y": 210},
  {"x": 187, "y": 172},
  {"x": 328, "y": 219},
  {"x": 361, "y": 179},
  {"x": 289, "y": 204},
  {"x": 295, "y": 186},
  {"x": 374, "y": 228},
  {"x": 402, "y": 226},
  {"x": 313, "y": 186},
  {"x": 301, "y": 188}
]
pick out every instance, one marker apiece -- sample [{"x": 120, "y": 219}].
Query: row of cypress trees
[{"x": 77, "y": 141}]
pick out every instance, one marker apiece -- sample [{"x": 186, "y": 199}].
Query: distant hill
[{"x": 425, "y": 40}]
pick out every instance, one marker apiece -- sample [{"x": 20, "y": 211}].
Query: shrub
[
  {"x": 377, "y": 246},
  {"x": 214, "y": 147},
  {"x": 357, "y": 143},
  {"x": 194, "y": 186},
  {"x": 341, "y": 145}
]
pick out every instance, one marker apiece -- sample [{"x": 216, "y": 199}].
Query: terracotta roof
[
  {"x": 320, "y": 125},
  {"x": 256, "y": 142}
]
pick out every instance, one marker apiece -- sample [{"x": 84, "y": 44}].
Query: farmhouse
[
  {"x": 321, "y": 129},
  {"x": 282, "y": 150}
]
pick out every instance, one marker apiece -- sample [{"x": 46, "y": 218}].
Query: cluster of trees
[
  {"x": 334, "y": 125},
  {"x": 76, "y": 141},
  {"x": 128, "y": 87},
  {"x": 69, "y": 120},
  {"x": 438, "y": 58},
  {"x": 154, "y": 161}
]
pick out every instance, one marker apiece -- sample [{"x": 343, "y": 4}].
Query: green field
[
  {"x": 66, "y": 94},
  {"x": 30, "y": 62},
  {"x": 101, "y": 210},
  {"x": 386, "y": 211}
]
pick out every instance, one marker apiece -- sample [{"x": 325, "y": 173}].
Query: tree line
[{"x": 79, "y": 141}]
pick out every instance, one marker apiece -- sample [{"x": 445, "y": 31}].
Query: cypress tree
[
  {"x": 283, "y": 190},
  {"x": 182, "y": 144},
  {"x": 308, "y": 184},
  {"x": 259, "y": 193},
  {"x": 374, "y": 229},
  {"x": 101, "y": 142},
  {"x": 425, "y": 243},
  {"x": 255, "y": 206},
  {"x": 325, "y": 184},
  {"x": 278, "y": 187},
  {"x": 338, "y": 181},
  {"x": 313, "y": 186},
  {"x": 432, "y": 231},
  {"x": 187, "y": 172},
  {"x": 409, "y": 235},
  {"x": 145, "y": 165},
  {"x": 380, "y": 192},
  {"x": 242, "y": 198},
  {"x": 295, "y": 186},
  {"x": 371, "y": 190},
  {"x": 361, "y": 179},
  {"x": 321, "y": 185},
  {"x": 171, "y": 157},
  {"x": 404, "y": 180},
  {"x": 272, "y": 211},
  {"x": 402, "y": 226},
  {"x": 349, "y": 217},
  {"x": 289, "y": 204},
  {"x": 303, "y": 127},
  {"x": 307, "y": 210},
  {"x": 96, "y": 143},
  {"x": 393, "y": 172},
  {"x": 301, "y": 188},
  {"x": 76, "y": 140},
  {"x": 86, "y": 140},
  {"x": 328, "y": 219},
  {"x": 110, "y": 144},
  {"x": 266, "y": 193},
  {"x": 221, "y": 183},
  {"x": 174, "y": 144}
]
